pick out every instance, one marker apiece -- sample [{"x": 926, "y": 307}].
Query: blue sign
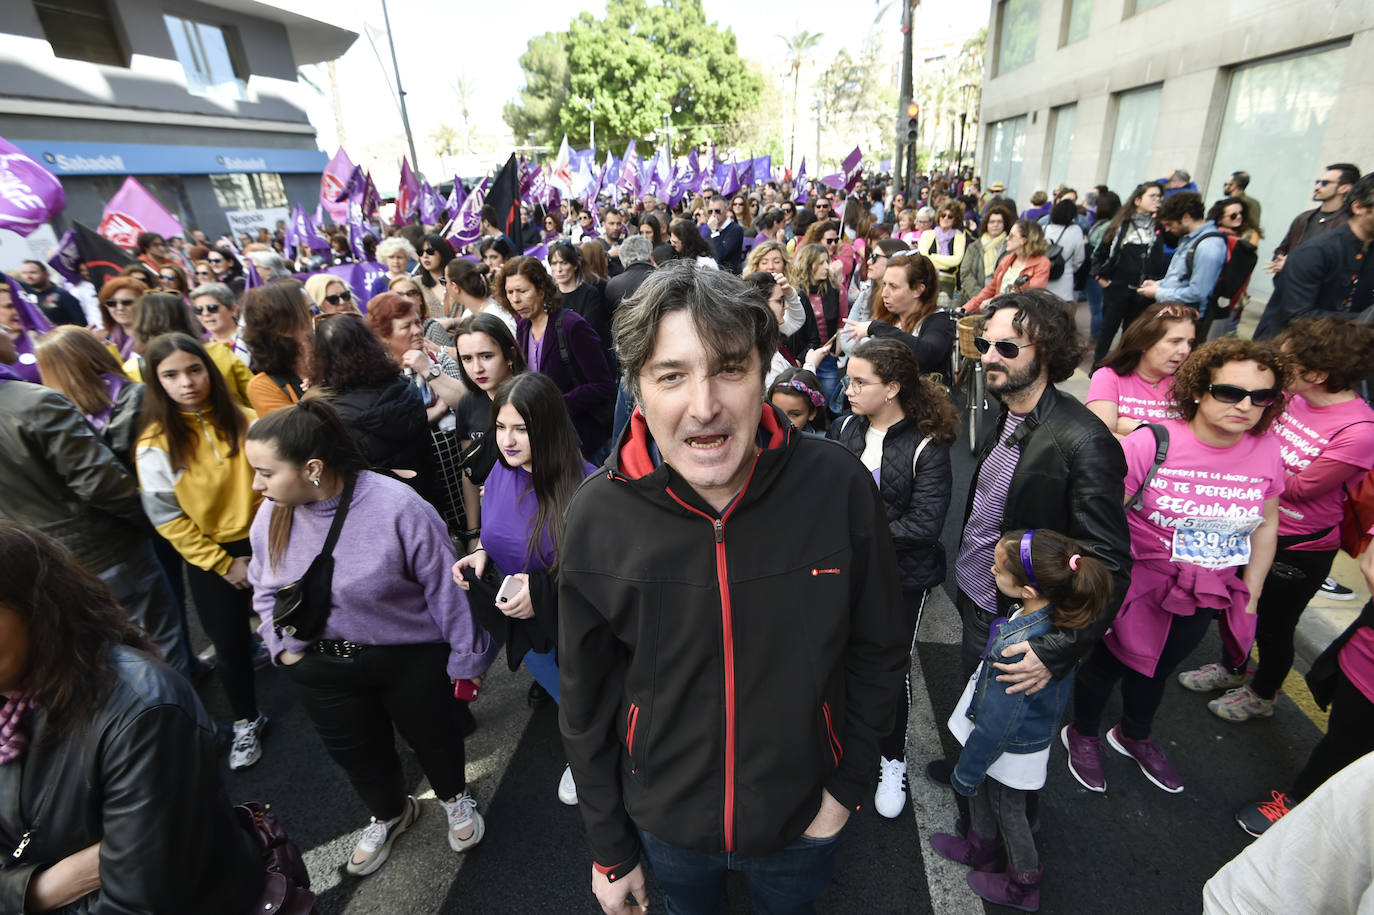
[{"x": 62, "y": 158}]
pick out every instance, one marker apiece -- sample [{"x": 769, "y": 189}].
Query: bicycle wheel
[{"x": 977, "y": 407}]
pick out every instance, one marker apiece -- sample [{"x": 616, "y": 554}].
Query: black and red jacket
[{"x": 718, "y": 671}]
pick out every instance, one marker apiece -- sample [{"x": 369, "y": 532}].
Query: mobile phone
[
  {"x": 510, "y": 586},
  {"x": 465, "y": 690}
]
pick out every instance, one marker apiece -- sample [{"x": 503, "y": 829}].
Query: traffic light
[{"x": 913, "y": 114}]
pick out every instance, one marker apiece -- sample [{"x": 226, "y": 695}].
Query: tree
[
  {"x": 858, "y": 101},
  {"x": 646, "y": 59},
  {"x": 798, "y": 46}
]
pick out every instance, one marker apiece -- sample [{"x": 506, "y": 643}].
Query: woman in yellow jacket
[
  {"x": 198, "y": 492},
  {"x": 158, "y": 313},
  {"x": 945, "y": 244}
]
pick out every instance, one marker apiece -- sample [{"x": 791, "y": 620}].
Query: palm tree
[{"x": 797, "y": 48}]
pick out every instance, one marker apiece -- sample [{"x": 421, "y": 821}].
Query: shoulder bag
[{"x": 302, "y": 607}]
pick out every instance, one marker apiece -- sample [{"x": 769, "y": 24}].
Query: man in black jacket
[
  {"x": 727, "y": 236},
  {"x": 1048, "y": 463},
  {"x": 729, "y": 653}
]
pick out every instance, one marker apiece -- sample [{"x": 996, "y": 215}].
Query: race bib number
[{"x": 1214, "y": 543}]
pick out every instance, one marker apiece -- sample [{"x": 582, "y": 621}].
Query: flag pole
[{"x": 401, "y": 93}]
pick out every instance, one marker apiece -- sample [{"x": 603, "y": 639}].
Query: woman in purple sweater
[{"x": 399, "y": 632}]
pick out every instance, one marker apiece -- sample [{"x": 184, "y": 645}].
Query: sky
[{"x": 486, "y": 49}]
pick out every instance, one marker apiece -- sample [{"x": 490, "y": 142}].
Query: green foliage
[
  {"x": 859, "y": 103},
  {"x": 642, "y": 61}
]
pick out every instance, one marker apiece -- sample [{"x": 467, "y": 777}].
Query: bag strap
[
  {"x": 568, "y": 364},
  {"x": 340, "y": 513},
  {"x": 288, "y": 385},
  {"x": 1188, "y": 260},
  {"x": 917, "y": 456},
  {"x": 1161, "y": 435}
]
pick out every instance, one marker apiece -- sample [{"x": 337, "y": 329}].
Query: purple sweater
[{"x": 392, "y": 580}]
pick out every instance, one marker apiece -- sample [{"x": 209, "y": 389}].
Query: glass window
[
  {"x": 233, "y": 192},
  {"x": 1061, "y": 138},
  {"x": 270, "y": 191},
  {"x": 1078, "y": 15},
  {"x": 1017, "y": 29},
  {"x": 1137, "y": 113},
  {"x": 1143, "y": 5},
  {"x": 81, "y": 30},
  {"x": 203, "y": 51},
  {"x": 1007, "y": 148},
  {"x": 1276, "y": 117}
]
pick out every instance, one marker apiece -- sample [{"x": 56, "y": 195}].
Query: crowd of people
[{"x": 738, "y": 408}]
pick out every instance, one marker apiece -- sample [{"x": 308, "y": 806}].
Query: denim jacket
[{"x": 1002, "y": 723}]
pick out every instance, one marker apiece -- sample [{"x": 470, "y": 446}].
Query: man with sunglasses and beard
[
  {"x": 727, "y": 236},
  {"x": 1049, "y": 463}
]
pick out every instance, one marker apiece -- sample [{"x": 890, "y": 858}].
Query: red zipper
[
  {"x": 630, "y": 721},
  {"x": 836, "y": 749},
  {"x": 728, "y": 644}
]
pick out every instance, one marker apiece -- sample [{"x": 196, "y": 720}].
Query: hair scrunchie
[{"x": 816, "y": 397}]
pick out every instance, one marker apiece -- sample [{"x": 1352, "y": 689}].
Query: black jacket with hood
[
  {"x": 389, "y": 425},
  {"x": 720, "y": 670}
]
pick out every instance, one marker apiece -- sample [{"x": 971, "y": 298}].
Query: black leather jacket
[
  {"x": 1069, "y": 478},
  {"x": 142, "y": 778}
]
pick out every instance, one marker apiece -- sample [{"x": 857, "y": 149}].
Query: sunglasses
[
  {"x": 339, "y": 298},
  {"x": 168, "y": 277},
  {"x": 214, "y": 260},
  {"x": 830, "y": 241},
  {"x": 1005, "y": 348},
  {"x": 202, "y": 273},
  {"x": 410, "y": 294},
  {"x": 428, "y": 251},
  {"x": 1322, "y": 182},
  {"x": 119, "y": 303},
  {"x": 207, "y": 309},
  {"x": 1230, "y": 393},
  {"x": 875, "y": 256},
  {"x": 717, "y": 210}
]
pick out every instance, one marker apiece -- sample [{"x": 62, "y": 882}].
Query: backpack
[
  {"x": 1241, "y": 258},
  {"x": 1056, "y": 255},
  {"x": 1161, "y": 434}
]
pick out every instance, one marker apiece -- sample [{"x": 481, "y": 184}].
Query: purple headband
[
  {"x": 817, "y": 399},
  {"x": 1026, "y": 558}
]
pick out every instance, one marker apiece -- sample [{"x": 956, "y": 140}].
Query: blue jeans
[
  {"x": 787, "y": 882},
  {"x": 543, "y": 666},
  {"x": 828, "y": 374},
  {"x": 1092, "y": 290},
  {"x": 624, "y": 406}
]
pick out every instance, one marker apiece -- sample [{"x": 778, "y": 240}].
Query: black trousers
[
  {"x": 1349, "y": 735},
  {"x": 1140, "y": 695},
  {"x": 1120, "y": 306},
  {"x": 356, "y": 702},
  {"x": 1280, "y": 606},
  {"x": 893, "y": 745},
  {"x": 224, "y": 613}
]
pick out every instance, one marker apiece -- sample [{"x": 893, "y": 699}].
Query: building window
[
  {"x": 1006, "y": 151},
  {"x": 1018, "y": 26},
  {"x": 1137, "y": 113},
  {"x": 1139, "y": 6},
  {"x": 82, "y": 30},
  {"x": 248, "y": 192},
  {"x": 270, "y": 191},
  {"x": 1078, "y": 16},
  {"x": 206, "y": 55},
  {"x": 1277, "y": 114},
  {"x": 1061, "y": 140}
]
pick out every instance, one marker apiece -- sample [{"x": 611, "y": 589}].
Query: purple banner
[{"x": 30, "y": 195}]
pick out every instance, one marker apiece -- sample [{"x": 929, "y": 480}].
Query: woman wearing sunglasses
[
  {"x": 1134, "y": 384},
  {"x": 214, "y": 306},
  {"x": 435, "y": 253},
  {"x": 1023, "y": 267},
  {"x": 172, "y": 278},
  {"x": 1327, "y": 431},
  {"x": 227, "y": 268},
  {"x": 203, "y": 273},
  {"x": 331, "y": 294},
  {"x": 1207, "y": 511}
]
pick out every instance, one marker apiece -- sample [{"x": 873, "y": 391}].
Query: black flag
[
  {"x": 504, "y": 198},
  {"x": 104, "y": 259}
]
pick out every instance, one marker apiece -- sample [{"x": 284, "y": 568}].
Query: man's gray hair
[
  {"x": 271, "y": 262},
  {"x": 635, "y": 250},
  {"x": 730, "y": 316},
  {"x": 1181, "y": 175},
  {"x": 222, "y": 293}
]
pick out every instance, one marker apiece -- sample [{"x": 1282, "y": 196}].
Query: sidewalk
[{"x": 1324, "y": 618}]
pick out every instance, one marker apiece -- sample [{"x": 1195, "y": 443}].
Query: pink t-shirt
[
  {"x": 1343, "y": 432},
  {"x": 1205, "y": 500},
  {"x": 1356, "y": 659},
  {"x": 1135, "y": 398}
]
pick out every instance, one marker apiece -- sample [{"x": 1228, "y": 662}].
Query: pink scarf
[{"x": 13, "y": 739}]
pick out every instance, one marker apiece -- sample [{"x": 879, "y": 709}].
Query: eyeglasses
[
  {"x": 1323, "y": 182},
  {"x": 202, "y": 272},
  {"x": 857, "y": 384},
  {"x": 428, "y": 251},
  {"x": 214, "y": 260},
  {"x": 168, "y": 277},
  {"x": 120, "y": 303},
  {"x": 410, "y": 294},
  {"x": 339, "y": 298},
  {"x": 1005, "y": 348},
  {"x": 830, "y": 241},
  {"x": 1230, "y": 393},
  {"x": 207, "y": 309},
  {"x": 875, "y": 256},
  {"x": 717, "y": 210}
]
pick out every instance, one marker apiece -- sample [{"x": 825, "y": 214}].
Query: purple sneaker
[
  {"x": 1085, "y": 759},
  {"x": 1149, "y": 757}
]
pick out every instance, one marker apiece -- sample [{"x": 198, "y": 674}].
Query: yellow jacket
[
  {"x": 236, "y": 374},
  {"x": 201, "y": 506}
]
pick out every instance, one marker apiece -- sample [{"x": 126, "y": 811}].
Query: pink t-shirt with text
[
  {"x": 1343, "y": 432},
  {"x": 1204, "y": 501},
  {"x": 1135, "y": 398}
]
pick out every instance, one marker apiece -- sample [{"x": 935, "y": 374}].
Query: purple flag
[
  {"x": 30, "y": 195},
  {"x": 763, "y": 168},
  {"x": 133, "y": 210},
  {"x": 357, "y": 231},
  {"x": 729, "y": 185},
  {"x": 332, "y": 182},
  {"x": 407, "y": 194},
  {"x": 352, "y": 188},
  {"x": 835, "y": 181},
  {"x": 33, "y": 320},
  {"x": 454, "y": 204},
  {"x": 431, "y": 206},
  {"x": 467, "y": 228},
  {"x": 629, "y": 172},
  {"x": 690, "y": 174},
  {"x": 746, "y": 177},
  {"x": 853, "y": 167},
  {"x": 538, "y": 252},
  {"x": 799, "y": 194},
  {"x": 66, "y": 256},
  {"x": 527, "y": 172},
  {"x": 612, "y": 170},
  {"x": 301, "y": 233}
]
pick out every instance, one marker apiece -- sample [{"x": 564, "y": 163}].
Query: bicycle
[{"x": 970, "y": 381}]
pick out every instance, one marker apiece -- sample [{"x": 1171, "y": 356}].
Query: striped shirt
[{"x": 973, "y": 567}]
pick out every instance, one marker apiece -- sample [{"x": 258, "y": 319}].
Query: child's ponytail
[{"x": 1077, "y": 584}]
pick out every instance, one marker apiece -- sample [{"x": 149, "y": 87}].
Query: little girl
[
  {"x": 797, "y": 393},
  {"x": 1007, "y": 737}
]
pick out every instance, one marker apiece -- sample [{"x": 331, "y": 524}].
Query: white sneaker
[
  {"x": 890, "y": 797},
  {"x": 247, "y": 746},
  {"x": 465, "y": 825},
  {"x": 567, "y": 788},
  {"x": 375, "y": 846}
]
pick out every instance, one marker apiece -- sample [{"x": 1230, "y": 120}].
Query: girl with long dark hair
[
  {"x": 907, "y": 310},
  {"x": 901, "y": 427},
  {"x": 578, "y": 293},
  {"x": 397, "y": 635},
  {"x": 689, "y": 245},
  {"x": 526, "y": 494},
  {"x": 1130, "y": 252},
  {"x": 198, "y": 493},
  {"x": 435, "y": 254}
]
